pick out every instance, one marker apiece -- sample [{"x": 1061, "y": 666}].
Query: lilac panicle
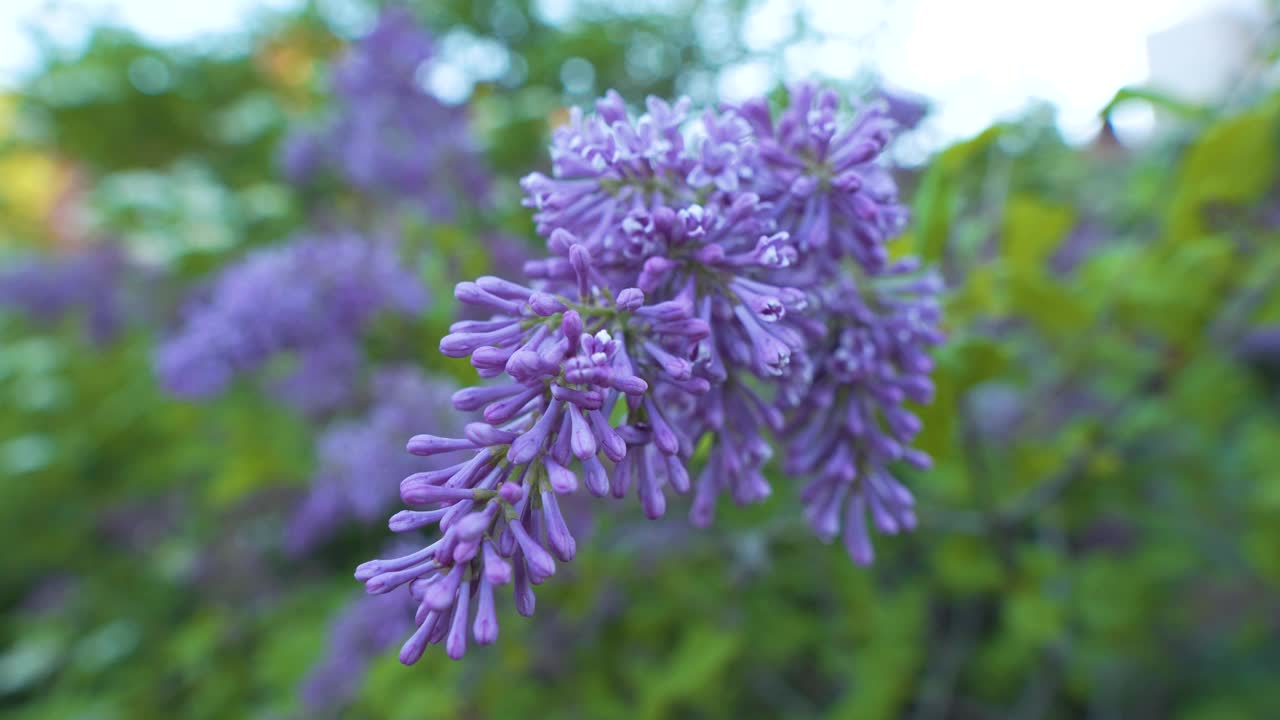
[
  {"x": 694, "y": 302},
  {"x": 562, "y": 362},
  {"x": 823, "y": 177},
  {"x": 312, "y": 297},
  {"x": 389, "y": 138},
  {"x": 735, "y": 465},
  {"x": 386, "y": 58},
  {"x": 88, "y": 282},
  {"x": 855, "y": 424}
]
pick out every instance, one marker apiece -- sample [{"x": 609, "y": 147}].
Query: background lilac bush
[{"x": 235, "y": 301}]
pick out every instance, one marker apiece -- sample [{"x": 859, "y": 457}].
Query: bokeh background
[{"x": 1097, "y": 182}]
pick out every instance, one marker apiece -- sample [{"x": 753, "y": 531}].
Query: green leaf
[
  {"x": 1034, "y": 617},
  {"x": 1232, "y": 163},
  {"x": 703, "y": 654},
  {"x": 965, "y": 565},
  {"x": 969, "y": 360},
  {"x": 933, "y": 207},
  {"x": 981, "y": 295},
  {"x": 886, "y": 665},
  {"x": 937, "y": 197},
  {"x": 1058, "y": 312},
  {"x": 1160, "y": 100},
  {"x": 1033, "y": 229}
]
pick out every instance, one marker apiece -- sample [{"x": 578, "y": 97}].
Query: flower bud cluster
[{"x": 715, "y": 287}]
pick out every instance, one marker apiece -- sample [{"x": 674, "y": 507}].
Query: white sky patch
[
  {"x": 68, "y": 22},
  {"x": 983, "y": 60},
  {"x": 743, "y": 80},
  {"x": 980, "y": 60},
  {"x": 768, "y": 24}
]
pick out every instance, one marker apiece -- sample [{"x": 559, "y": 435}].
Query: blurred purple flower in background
[
  {"x": 361, "y": 459},
  {"x": 905, "y": 108},
  {"x": 301, "y": 156},
  {"x": 1085, "y": 239},
  {"x": 388, "y": 137},
  {"x": 1261, "y": 344},
  {"x": 89, "y": 282},
  {"x": 1260, "y": 349},
  {"x": 309, "y": 297},
  {"x": 52, "y": 593},
  {"x": 363, "y": 630},
  {"x": 322, "y": 377}
]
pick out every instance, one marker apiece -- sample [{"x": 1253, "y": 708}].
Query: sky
[{"x": 981, "y": 60}]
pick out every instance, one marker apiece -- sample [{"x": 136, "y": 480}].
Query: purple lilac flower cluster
[
  {"x": 312, "y": 297},
  {"x": 854, "y": 425},
  {"x": 388, "y": 137},
  {"x": 712, "y": 282},
  {"x": 46, "y": 289}
]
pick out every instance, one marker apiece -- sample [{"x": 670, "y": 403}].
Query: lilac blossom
[
  {"x": 301, "y": 156},
  {"x": 1260, "y": 345},
  {"x": 89, "y": 283},
  {"x": 606, "y": 166},
  {"x": 388, "y": 138},
  {"x": 694, "y": 303},
  {"x": 312, "y": 297},
  {"x": 321, "y": 378},
  {"x": 823, "y": 177},
  {"x": 904, "y": 107},
  {"x": 854, "y": 424},
  {"x": 506, "y": 255},
  {"x": 569, "y": 408}
]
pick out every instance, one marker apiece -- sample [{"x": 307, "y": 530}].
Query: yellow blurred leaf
[
  {"x": 30, "y": 184},
  {"x": 1232, "y": 163}
]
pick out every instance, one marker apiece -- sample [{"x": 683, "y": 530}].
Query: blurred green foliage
[{"x": 1099, "y": 537}]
